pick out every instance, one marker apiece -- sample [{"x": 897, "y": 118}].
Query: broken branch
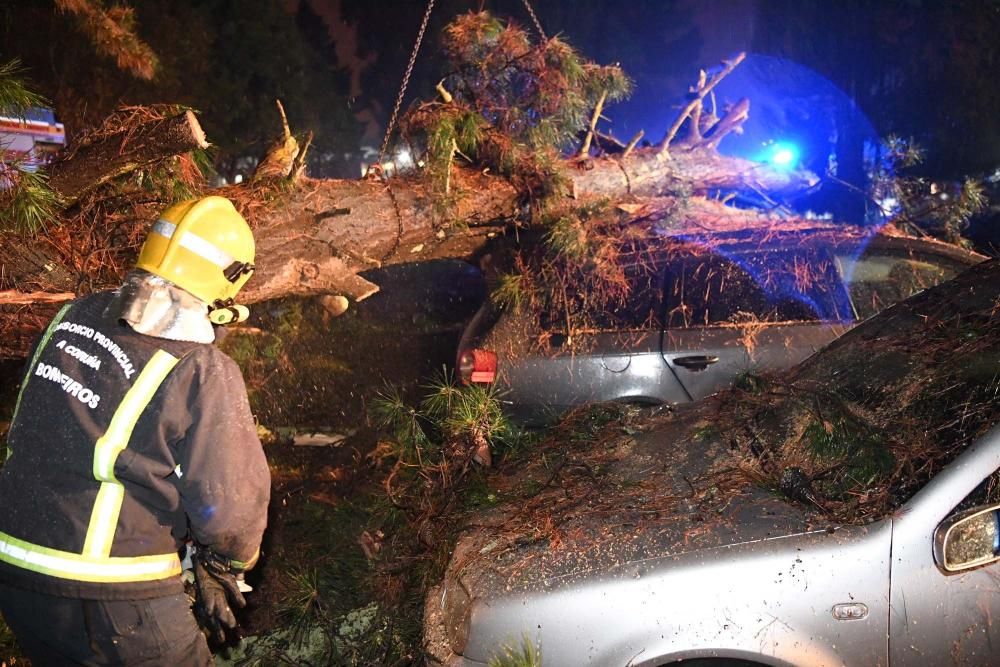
[
  {"x": 633, "y": 142},
  {"x": 598, "y": 108},
  {"x": 694, "y": 132},
  {"x": 16, "y": 298},
  {"x": 731, "y": 122},
  {"x": 699, "y": 95}
]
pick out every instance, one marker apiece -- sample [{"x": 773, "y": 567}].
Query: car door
[
  {"x": 615, "y": 357},
  {"x": 752, "y": 309},
  {"x": 938, "y": 617}
]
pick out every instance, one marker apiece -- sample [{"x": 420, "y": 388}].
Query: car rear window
[{"x": 688, "y": 285}]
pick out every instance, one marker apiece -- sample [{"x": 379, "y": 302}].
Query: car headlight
[{"x": 456, "y": 606}]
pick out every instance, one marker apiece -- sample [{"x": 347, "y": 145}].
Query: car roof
[{"x": 805, "y": 233}]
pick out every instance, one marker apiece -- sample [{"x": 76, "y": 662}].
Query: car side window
[
  {"x": 636, "y": 309},
  {"x": 772, "y": 286},
  {"x": 640, "y": 310},
  {"x": 880, "y": 278}
]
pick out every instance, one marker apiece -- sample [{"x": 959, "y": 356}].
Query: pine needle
[
  {"x": 28, "y": 204},
  {"x": 15, "y": 96},
  {"x": 525, "y": 655},
  {"x": 511, "y": 291},
  {"x": 113, "y": 32}
]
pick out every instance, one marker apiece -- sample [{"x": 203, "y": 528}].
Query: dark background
[{"x": 829, "y": 75}]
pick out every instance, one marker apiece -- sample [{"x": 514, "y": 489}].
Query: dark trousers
[{"x": 64, "y": 632}]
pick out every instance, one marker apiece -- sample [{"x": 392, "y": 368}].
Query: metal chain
[
  {"x": 406, "y": 80},
  {"x": 534, "y": 17},
  {"x": 399, "y": 223}
]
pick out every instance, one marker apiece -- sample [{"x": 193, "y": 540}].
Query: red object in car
[{"x": 477, "y": 366}]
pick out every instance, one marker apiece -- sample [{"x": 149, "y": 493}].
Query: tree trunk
[
  {"x": 321, "y": 235},
  {"x": 318, "y": 237}
]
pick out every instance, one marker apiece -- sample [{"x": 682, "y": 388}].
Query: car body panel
[
  {"x": 641, "y": 373},
  {"x": 775, "y": 604},
  {"x": 608, "y": 371},
  {"x": 743, "y": 350}
]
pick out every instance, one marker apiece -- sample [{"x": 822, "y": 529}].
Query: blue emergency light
[{"x": 782, "y": 155}]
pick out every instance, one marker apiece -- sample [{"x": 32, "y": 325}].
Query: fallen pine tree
[{"x": 511, "y": 145}]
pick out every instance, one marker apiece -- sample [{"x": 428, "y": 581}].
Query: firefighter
[{"x": 132, "y": 437}]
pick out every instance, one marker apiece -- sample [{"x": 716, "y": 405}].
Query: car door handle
[{"x": 695, "y": 363}]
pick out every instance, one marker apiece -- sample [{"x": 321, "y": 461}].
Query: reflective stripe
[
  {"x": 245, "y": 564},
  {"x": 104, "y": 517},
  {"x": 78, "y": 567},
  {"x": 34, "y": 360},
  {"x": 194, "y": 243},
  {"x": 136, "y": 399},
  {"x": 104, "y": 520}
]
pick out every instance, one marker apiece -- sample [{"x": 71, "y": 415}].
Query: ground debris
[
  {"x": 319, "y": 439},
  {"x": 371, "y": 543}
]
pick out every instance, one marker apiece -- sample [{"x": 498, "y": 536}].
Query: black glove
[{"x": 216, "y": 593}]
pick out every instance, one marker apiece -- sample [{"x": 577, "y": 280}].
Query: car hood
[{"x": 585, "y": 511}]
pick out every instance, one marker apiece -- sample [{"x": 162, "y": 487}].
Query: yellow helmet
[{"x": 205, "y": 247}]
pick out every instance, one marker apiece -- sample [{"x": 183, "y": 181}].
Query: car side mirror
[{"x": 968, "y": 539}]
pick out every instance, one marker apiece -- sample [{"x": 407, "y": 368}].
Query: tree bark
[
  {"x": 31, "y": 267},
  {"x": 107, "y": 158},
  {"x": 646, "y": 172},
  {"x": 318, "y": 237}
]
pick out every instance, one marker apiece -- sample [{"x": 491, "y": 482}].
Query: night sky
[
  {"x": 910, "y": 67},
  {"x": 828, "y": 76}
]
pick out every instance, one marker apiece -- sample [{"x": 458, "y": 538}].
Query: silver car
[
  {"x": 709, "y": 309},
  {"x": 766, "y": 587}
]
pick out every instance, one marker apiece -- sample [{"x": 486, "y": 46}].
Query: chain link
[
  {"x": 534, "y": 17},
  {"x": 406, "y": 80}
]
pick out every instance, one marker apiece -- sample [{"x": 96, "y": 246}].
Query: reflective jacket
[{"x": 122, "y": 446}]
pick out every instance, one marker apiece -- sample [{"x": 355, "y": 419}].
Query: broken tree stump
[{"x": 106, "y": 158}]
